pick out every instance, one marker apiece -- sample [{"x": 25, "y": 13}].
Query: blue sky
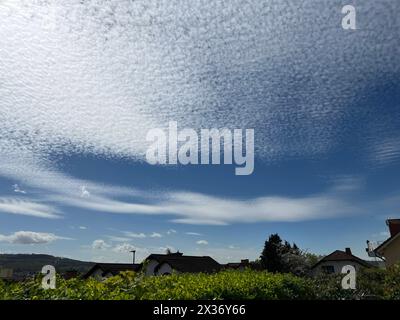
[{"x": 81, "y": 84}]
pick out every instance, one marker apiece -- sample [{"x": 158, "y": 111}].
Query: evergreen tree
[{"x": 271, "y": 257}]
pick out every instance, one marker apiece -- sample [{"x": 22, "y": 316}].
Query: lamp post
[{"x": 133, "y": 255}]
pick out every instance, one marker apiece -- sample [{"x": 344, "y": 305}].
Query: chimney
[
  {"x": 348, "y": 251},
  {"x": 394, "y": 226}
]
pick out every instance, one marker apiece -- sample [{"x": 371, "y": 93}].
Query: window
[{"x": 328, "y": 269}]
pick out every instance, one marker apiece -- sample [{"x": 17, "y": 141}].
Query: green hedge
[
  {"x": 223, "y": 285},
  {"x": 248, "y": 284}
]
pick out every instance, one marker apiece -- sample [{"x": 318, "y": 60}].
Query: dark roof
[
  {"x": 113, "y": 268},
  {"x": 191, "y": 264},
  {"x": 233, "y": 265},
  {"x": 237, "y": 265},
  {"x": 339, "y": 255}
]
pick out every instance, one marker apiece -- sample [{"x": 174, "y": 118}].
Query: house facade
[
  {"x": 164, "y": 264},
  {"x": 389, "y": 250},
  {"x": 334, "y": 262},
  {"x": 156, "y": 265},
  {"x": 102, "y": 271}
]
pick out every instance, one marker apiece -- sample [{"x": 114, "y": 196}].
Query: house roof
[
  {"x": 339, "y": 255},
  {"x": 384, "y": 244},
  {"x": 113, "y": 268},
  {"x": 191, "y": 264}
]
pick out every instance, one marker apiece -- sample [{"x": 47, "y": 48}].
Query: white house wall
[
  {"x": 164, "y": 269},
  {"x": 151, "y": 265},
  {"x": 338, "y": 265}
]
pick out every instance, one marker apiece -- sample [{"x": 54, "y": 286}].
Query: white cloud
[
  {"x": 17, "y": 189},
  {"x": 171, "y": 231},
  {"x": 385, "y": 151},
  {"x": 225, "y": 255},
  {"x": 84, "y": 192},
  {"x": 67, "y": 111},
  {"x": 164, "y": 249},
  {"x": 382, "y": 234},
  {"x": 118, "y": 239},
  {"x": 124, "y": 247},
  {"x": 155, "y": 235},
  {"x": 82, "y": 227},
  {"x": 193, "y": 234},
  {"x": 100, "y": 244},
  {"x": 30, "y": 237},
  {"x": 28, "y": 208},
  {"x": 134, "y": 235},
  {"x": 98, "y": 80},
  {"x": 187, "y": 207},
  {"x": 385, "y": 234},
  {"x": 196, "y": 208},
  {"x": 202, "y": 242}
]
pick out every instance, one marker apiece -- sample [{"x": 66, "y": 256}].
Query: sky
[{"x": 81, "y": 84}]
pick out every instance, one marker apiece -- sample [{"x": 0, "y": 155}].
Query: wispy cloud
[
  {"x": 118, "y": 239},
  {"x": 30, "y": 237},
  {"x": 195, "y": 208},
  {"x": 156, "y": 235},
  {"x": 17, "y": 189},
  {"x": 134, "y": 235},
  {"x": 84, "y": 192},
  {"x": 385, "y": 151},
  {"x": 124, "y": 247},
  {"x": 193, "y": 234},
  {"x": 187, "y": 207},
  {"x": 202, "y": 242},
  {"x": 100, "y": 244},
  {"x": 28, "y": 208}
]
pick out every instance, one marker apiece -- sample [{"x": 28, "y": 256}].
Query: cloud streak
[{"x": 28, "y": 208}]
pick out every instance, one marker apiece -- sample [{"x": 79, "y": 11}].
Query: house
[
  {"x": 164, "y": 264},
  {"x": 334, "y": 262},
  {"x": 102, "y": 271},
  {"x": 70, "y": 274},
  {"x": 243, "y": 264},
  {"x": 390, "y": 248},
  {"x": 157, "y": 264}
]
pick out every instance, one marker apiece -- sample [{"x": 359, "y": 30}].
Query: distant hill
[{"x": 28, "y": 264}]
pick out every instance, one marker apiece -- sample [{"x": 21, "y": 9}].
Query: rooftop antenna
[{"x": 133, "y": 255}]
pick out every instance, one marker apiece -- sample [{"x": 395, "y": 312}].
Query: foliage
[
  {"x": 228, "y": 284},
  {"x": 371, "y": 283},
  {"x": 281, "y": 256},
  {"x": 271, "y": 257}
]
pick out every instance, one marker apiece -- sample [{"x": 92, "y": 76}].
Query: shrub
[{"x": 223, "y": 285}]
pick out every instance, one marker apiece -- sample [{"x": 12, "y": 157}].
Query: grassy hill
[{"x": 26, "y": 264}]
